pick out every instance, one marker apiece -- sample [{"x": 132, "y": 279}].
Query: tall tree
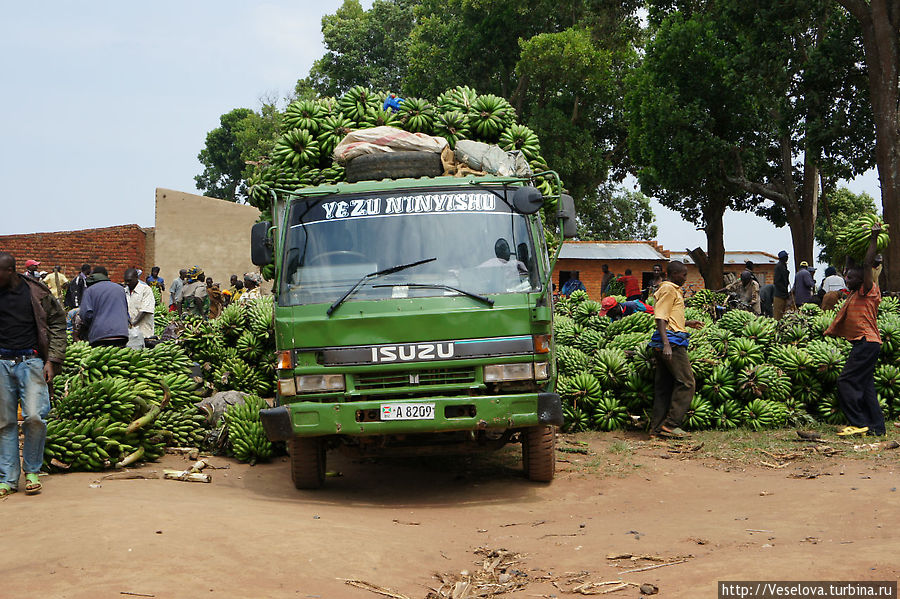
[
  {"x": 879, "y": 22},
  {"x": 221, "y": 157},
  {"x": 364, "y": 47},
  {"x": 243, "y": 136},
  {"x": 617, "y": 214},
  {"x": 814, "y": 124},
  {"x": 685, "y": 108}
]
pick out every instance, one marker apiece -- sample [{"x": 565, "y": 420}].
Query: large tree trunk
[
  {"x": 802, "y": 218},
  {"x": 880, "y": 22},
  {"x": 713, "y": 278}
]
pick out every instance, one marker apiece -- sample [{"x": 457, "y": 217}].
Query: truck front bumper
[{"x": 314, "y": 419}]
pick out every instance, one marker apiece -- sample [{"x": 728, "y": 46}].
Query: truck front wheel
[
  {"x": 539, "y": 453},
  {"x": 307, "y": 462}
]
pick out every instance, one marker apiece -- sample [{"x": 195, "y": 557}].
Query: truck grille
[{"x": 393, "y": 380}]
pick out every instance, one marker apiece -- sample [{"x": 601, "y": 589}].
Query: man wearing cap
[
  {"x": 616, "y": 311},
  {"x": 782, "y": 283},
  {"x": 32, "y": 351},
  {"x": 804, "y": 285},
  {"x": 31, "y": 269}
]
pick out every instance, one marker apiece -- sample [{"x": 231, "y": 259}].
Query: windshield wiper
[
  {"x": 373, "y": 275},
  {"x": 480, "y": 298}
]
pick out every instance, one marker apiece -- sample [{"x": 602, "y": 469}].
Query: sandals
[
  {"x": 849, "y": 431},
  {"x": 32, "y": 484},
  {"x": 6, "y": 490}
]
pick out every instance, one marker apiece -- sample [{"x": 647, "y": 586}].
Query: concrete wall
[
  {"x": 196, "y": 230},
  {"x": 116, "y": 248}
]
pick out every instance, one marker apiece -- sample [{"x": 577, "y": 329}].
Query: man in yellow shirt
[
  {"x": 57, "y": 282},
  {"x": 674, "y": 385}
]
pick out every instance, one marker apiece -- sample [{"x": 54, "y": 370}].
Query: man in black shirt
[{"x": 32, "y": 349}]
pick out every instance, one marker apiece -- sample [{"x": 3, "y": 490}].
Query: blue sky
[{"x": 106, "y": 101}]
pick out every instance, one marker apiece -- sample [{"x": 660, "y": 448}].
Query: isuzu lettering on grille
[{"x": 412, "y": 352}]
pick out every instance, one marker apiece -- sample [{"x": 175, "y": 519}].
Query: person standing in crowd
[
  {"x": 748, "y": 267},
  {"x": 674, "y": 384},
  {"x": 766, "y": 299},
  {"x": 77, "y": 286},
  {"x": 176, "y": 292},
  {"x": 782, "y": 284},
  {"x": 57, "y": 282},
  {"x": 195, "y": 296},
  {"x": 617, "y": 311},
  {"x": 32, "y": 351},
  {"x": 103, "y": 311},
  {"x": 252, "y": 281},
  {"x": 228, "y": 294},
  {"x": 747, "y": 288},
  {"x": 31, "y": 269},
  {"x": 216, "y": 300},
  {"x": 570, "y": 286},
  {"x": 857, "y": 323},
  {"x": 833, "y": 288},
  {"x": 656, "y": 281},
  {"x": 141, "y": 304},
  {"x": 804, "y": 284},
  {"x": 632, "y": 286},
  {"x": 607, "y": 278},
  {"x": 154, "y": 280}
]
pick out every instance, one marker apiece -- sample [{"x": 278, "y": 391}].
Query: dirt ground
[{"x": 732, "y": 513}]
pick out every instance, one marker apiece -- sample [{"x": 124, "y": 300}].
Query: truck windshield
[{"x": 478, "y": 243}]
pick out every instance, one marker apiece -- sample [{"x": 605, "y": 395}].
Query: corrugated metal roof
[
  {"x": 734, "y": 257},
  {"x": 600, "y": 250}
]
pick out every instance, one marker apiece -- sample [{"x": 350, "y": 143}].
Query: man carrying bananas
[
  {"x": 857, "y": 322},
  {"x": 674, "y": 385},
  {"x": 32, "y": 350}
]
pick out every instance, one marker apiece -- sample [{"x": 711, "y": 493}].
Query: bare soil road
[{"x": 394, "y": 524}]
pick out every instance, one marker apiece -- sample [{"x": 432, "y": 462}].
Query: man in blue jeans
[{"x": 32, "y": 350}]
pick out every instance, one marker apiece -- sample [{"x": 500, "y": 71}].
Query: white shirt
[
  {"x": 141, "y": 300},
  {"x": 833, "y": 283}
]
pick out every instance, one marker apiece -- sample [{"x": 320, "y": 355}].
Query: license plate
[{"x": 407, "y": 411}]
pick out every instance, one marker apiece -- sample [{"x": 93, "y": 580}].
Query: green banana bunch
[
  {"x": 760, "y": 414},
  {"x": 581, "y": 391},
  {"x": 303, "y": 114},
  {"x": 458, "y": 99},
  {"x": 564, "y": 329},
  {"x": 576, "y": 420},
  {"x": 452, "y": 126},
  {"x": 245, "y": 431},
  {"x": 734, "y": 321},
  {"x": 639, "y": 322},
  {"x": 629, "y": 342},
  {"x": 590, "y": 341},
  {"x": 727, "y": 415},
  {"x": 699, "y": 414},
  {"x": 571, "y": 360},
  {"x": 296, "y": 148},
  {"x": 609, "y": 414},
  {"x": 333, "y": 130},
  {"x": 488, "y": 117},
  {"x": 357, "y": 101},
  {"x": 610, "y": 366},
  {"x": 376, "y": 117},
  {"x": 720, "y": 385},
  {"x": 522, "y": 138},
  {"x": 183, "y": 428},
  {"x": 743, "y": 352},
  {"x": 417, "y": 115},
  {"x": 854, "y": 238},
  {"x": 705, "y": 298}
]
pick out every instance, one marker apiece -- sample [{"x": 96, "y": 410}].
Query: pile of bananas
[
  {"x": 246, "y": 436},
  {"x": 854, "y": 238},
  {"x": 99, "y": 443},
  {"x": 749, "y": 371},
  {"x": 310, "y": 130}
]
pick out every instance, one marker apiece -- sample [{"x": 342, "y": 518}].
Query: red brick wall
[
  {"x": 116, "y": 248},
  {"x": 591, "y": 271}
]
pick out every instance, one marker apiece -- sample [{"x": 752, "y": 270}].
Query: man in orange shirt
[{"x": 857, "y": 322}]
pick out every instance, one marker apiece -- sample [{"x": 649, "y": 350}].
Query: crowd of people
[{"x": 36, "y": 311}]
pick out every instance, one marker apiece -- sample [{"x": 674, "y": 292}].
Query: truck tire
[
  {"x": 539, "y": 453},
  {"x": 393, "y": 165},
  {"x": 307, "y": 462}
]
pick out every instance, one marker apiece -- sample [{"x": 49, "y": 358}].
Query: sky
[{"x": 106, "y": 101}]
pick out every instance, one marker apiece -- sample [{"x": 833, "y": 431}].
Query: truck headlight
[
  {"x": 541, "y": 371},
  {"x": 508, "y": 372},
  {"x": 317, "y": 383},
  {"x": 287, "y": 387}
]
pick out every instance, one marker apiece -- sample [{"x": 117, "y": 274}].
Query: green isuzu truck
[{"x": 412, "y": 315}]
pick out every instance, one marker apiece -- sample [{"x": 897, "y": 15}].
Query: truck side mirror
[
  {"x": 527, "y": 200},
  {"x": 261, "y": 250},
  {"x": 566, "y": 215}
]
